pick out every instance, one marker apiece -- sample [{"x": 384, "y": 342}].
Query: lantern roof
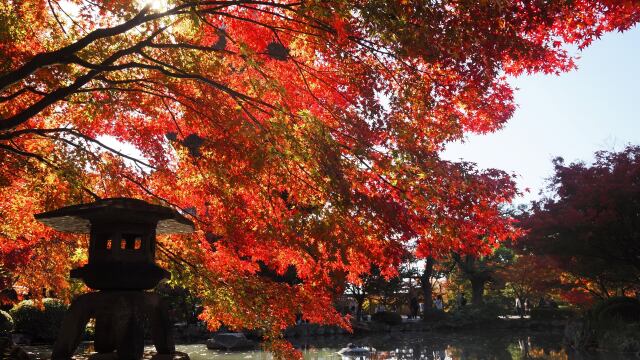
[{"x": 78, "y": 218}]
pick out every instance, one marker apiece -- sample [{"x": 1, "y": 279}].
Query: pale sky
[{"x": 596, "y": 107}]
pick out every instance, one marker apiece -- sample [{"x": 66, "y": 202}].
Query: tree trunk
[
  {"x": 425, "y": 282},
  {"x": 477, "y": 289},
  {"x": 358, "y": 313},
  {"x": 476, "y": 275}
]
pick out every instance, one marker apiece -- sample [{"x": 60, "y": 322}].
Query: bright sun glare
[{"x": 156, "y": 5}]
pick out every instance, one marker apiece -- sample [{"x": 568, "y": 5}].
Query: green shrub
[
  {"x": 542, "y": 313},
  {"x": 478, "y": 313},
  {"x": 612, "y": 325},
  {"x": 579, "y": 334},
  {"x": 624, "y": 308},
  {"x": 42, "y": 324},
  {"x": 6, "y": 323},
  {"x": 387, "y": 317},
  {"x": 433, "y": 314},
  {"x": 619, "y": 336}
]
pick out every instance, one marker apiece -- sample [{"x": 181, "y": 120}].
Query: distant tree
[
  {"x": 591, "y": 224},
  {"x": 432, "y": 276},
  {"x": 426, "y": 285},
  {"x": 360, "y": 291},
  {"x": 530, "y": 276},
  {"x": 375, "y": 284},
  {"x": 480, "y": 270}
]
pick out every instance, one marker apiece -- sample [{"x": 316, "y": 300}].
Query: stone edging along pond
[{"x": 304, "y": 330}]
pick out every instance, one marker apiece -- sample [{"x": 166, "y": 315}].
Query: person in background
[
  {"x": 439, "y": 303},
  {"x": 519, "y": 309},
  {"x": 413, "y": 304},
  {"x": 542, "y": 303}
]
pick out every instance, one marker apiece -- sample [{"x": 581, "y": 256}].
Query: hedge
[
  {"x": 41, "y": 324},
  {"x": 6, "y": 323},
  {"x": 387, "y": 317}
]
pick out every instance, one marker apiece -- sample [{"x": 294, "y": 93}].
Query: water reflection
[
  {"x": 454, "y": 346},
  {"x": 477, "y": 345}
]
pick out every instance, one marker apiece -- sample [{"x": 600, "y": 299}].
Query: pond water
[{"x": 462, "y": 345}]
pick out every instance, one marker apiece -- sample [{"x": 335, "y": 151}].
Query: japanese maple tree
[
  {"x": 590, "y": 223},
  {"x": 531, "y": 276},
  {"x": 297, "y": 134}
]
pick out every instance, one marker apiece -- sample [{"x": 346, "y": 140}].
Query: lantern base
[
  {"x": 119, "y": 317},
  {"x": 120, "y": 276}
]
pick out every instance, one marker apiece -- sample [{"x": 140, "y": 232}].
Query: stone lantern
[{"x": 122, "y": 241}]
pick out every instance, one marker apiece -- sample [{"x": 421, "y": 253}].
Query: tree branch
[
  {"x": 45, "y": 59},
  {"x": 46, "y": 162}
]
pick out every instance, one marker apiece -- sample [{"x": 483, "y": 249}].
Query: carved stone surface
[
  {"x": 230, "y": 341},
  {"x": 121, "y": 276},
  {"x": 77, "y": 218},
  {"x": 119, "y": 317}
]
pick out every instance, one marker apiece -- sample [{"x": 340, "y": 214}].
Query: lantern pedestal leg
[
  {"x": 105, "y": 335},
  {"x": 119, "y": 317},
  {"x": 73, "y": 325},
  {"x": 158, "y": 315}
]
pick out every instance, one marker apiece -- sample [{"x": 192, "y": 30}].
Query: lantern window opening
[
  {"x": 131, "y": 241},
  {"x": 109, "y": 244}
]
